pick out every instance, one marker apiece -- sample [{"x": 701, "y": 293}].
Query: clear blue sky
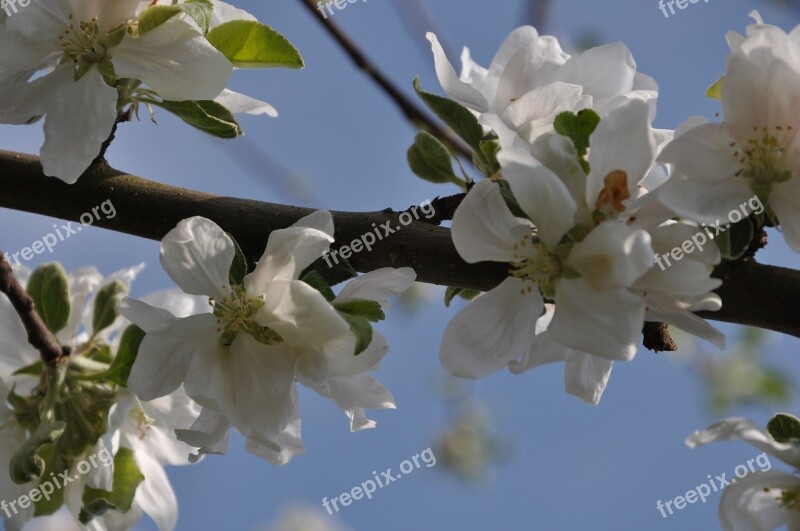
[{"x": 574, "y": 466}]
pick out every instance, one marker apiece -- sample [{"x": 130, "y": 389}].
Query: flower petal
[
  {"x": 379, "y": 285},
  {"x": 241, "y": 103},
  {"x": 604, "y": 323},
  {"x": 586, "y": 376},
  {"x": 484, "y": 228},
  {"x": 737, "y": 428},
  {"x": 300, "y": 314},
  {"x": 491, "y": 331},
  {"x": 753, "y": 502},
  {"x": 80, "y": 115},
  {"x": 175, "y": 61},
  {"x": 455, "y": 88}
]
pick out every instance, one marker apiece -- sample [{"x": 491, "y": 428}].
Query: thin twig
[
  {"x": 39, "y": 336},
  {"x": 411, "y": 110}
]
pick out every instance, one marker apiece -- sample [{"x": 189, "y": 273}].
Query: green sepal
[
  {"x": 784, "y": 428},
  {"x": 715, "y": 91},
  {"x": 106, "y": 306},
  {"x": 238, "y": 268},
  {"x": 127, "y": 477},
  {"x": 314, "y": 279},
  {"x": 736, "y": 240},
  {"x": 453, "y": 292}
]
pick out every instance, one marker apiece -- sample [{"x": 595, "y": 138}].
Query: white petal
[
  {"x": 379, "y": 285},
  {"x": 224, "y": 12},
  {"x": 604, "y": 72},
  {"x": 79, "y": 119},
  {"x": 753, "y": 503},
  {"x": 340, "y": 361},
  {"x": 704, "y": 202},
  {"x": 281, "y": 449},
  {"x": 197, "y": 255},
  {"x": 300, "y": 314},
  {"x": 166, "y": 354},
  {"x": 484, "y": 228},
  {"x": 612, "y": 255},
  {"x": 603, "y": 323},
  {"x": 492, "y": 330},
  {"x": 530, "y": 67},
  {"x": 533, "y": 114},
  {"x": 155, "y": 495},
  {"x": 319, "y": 219},
  {"x": 209, "y": 433},
  {"x": 288, "y": 253},
  {"x": 241, "y": 103},
  {"x": 455, "y": 88},
  {"x": 544, "y": 349},
  {"x": 704, "y": 153},
  {"x": 146, "y": 317},
  {"x": 738, "y": 428},
  {"x": 540, "y": 194},
  {"x": 586, "y": 376},
  {"x": 623, "y": 141},
  {"x": 175, "y": 61},
  {"x": 265, "y": 397}
]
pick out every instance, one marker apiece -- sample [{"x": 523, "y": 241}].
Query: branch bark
[
  {"x": 753, "y": 294},
  {"x": 50, "y": 350}
]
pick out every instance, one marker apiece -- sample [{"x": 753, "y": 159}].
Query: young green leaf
[
  {"x": 26, "y": 464},
  {"x": 314, "y": 279},
  {"x": 48, "y": 286},
  {"x": 207, "y": 116},
  {"x": 430, "y": 160},
  {"x": 736, "y": 240},
  {"x": 250, "y": 44},
  {"x": 715, "y": 91},
  {"x": 129, "y": 343},
  {"x": 361, "y": 329},
  {"x": 370, "y": 310},
  {"x": 578, "y": 128},
  {"x": 238, "y": 268}
]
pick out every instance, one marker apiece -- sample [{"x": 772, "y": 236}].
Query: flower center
[
  {"x": 235, "y": 312},
  {"x": 763, "y": 158},
  {"x": 82, "y": 42},
  {"x": 534, "y": 263},
  {"x": 143, "y": 423}
]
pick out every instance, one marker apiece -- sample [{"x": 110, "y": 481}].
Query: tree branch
[
  {"x": 753, "y": 294},
  {"x": 413, "y": 112},
  {"x": 38, "y": 335}
]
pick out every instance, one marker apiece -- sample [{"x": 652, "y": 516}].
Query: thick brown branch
[
  {"x": 413, "y": 112},
  {"x": 38, "y": 335},
  {"x": 753, "y": 294}
]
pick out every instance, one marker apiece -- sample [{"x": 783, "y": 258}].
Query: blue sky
[{"x": 574, "y": 466}]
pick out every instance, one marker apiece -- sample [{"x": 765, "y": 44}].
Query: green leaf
[
  {"x": 153, "y": 17},
  {"x": 370, "y": 310},
  {"x": 238, "y": 268},
  {"x": 735, "y": 241},
  {"x": 337, "y": 273},
  {"x": 314, "y": 279},
  {"x": 578, "y": 128},
  {"x": 48, "y": 286},
  {"x": 27, "y": 465},
  {"x": 453, "y": 292},
  {"x": 361, "y": 329},
  {"x": 106, "y": 306},
  {"x": 54, "y": 463},
  {"x": 129, "y": 344},
  {"x": 715, "y": 91},
  {"x": 250, "y": 44},
  {"x": 34, "y": 369},
  {"x": 207, "y": 116},
  {"x": 199, "y": 10},
  {"x": 126, "y": 480},
  {"x": 459, "y": 119},
  {"x": 784, "y": 428},
  {"x": 430, "y": 160}
]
